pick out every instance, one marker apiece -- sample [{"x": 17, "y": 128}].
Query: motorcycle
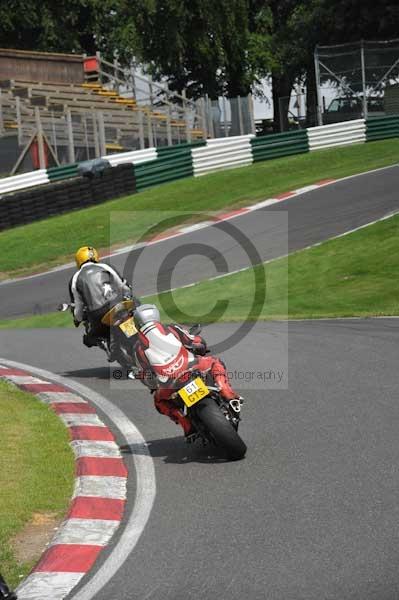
[
  {"x": 215, "y": 420},
  {"x": 121, "y": 322}
]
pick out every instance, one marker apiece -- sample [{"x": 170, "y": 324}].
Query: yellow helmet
[{"x": 85, "y": 254}]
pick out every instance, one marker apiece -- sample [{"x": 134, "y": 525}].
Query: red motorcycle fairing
[
  {"x": 163, "y": 351},
  {"x": 175, "y": 367}
]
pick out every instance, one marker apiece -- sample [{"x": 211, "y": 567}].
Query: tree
[
  {"x": 203, "y": 46},
  {"x": 62, "y": 26},
  {"x": 198, "y": 45},
  {"x": 276, "y": 50}
]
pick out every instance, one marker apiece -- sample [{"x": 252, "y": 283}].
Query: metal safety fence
[{"x": 357, "y": 80}]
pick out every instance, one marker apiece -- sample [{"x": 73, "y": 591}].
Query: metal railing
[{"x": 156, "y": 97}]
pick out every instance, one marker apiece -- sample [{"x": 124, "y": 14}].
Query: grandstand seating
[{"x": 77, "y": 109}]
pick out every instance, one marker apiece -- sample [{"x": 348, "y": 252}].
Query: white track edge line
[
  {"x": 145, "y": 480},
  {"x": 270, "y": 260},
  {"x": 252, "y": 207}
]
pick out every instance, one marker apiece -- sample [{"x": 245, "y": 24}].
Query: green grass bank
[
  {"x": 36, "y": 472},
  {"x": 354, "y": 275},
  {"x": 45, "y": 244}
]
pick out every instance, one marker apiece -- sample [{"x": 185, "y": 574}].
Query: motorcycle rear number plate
[
  {"x": 128, "y": 327},
  {"x": 193, "y": 392}
]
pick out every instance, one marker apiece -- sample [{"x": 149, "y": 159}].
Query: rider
[
  {"x": 5, "y": 592},
  {"x": 157, "y": 341},
  {"x": 94, "y": 289}
]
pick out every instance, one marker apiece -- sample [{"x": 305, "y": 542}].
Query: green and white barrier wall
[
  {"x": 279, "y": 144},
  {"x": 155, "y": 166}
]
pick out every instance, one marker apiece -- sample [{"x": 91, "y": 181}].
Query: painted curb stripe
[
  {"x": 100, "y": 449},
  {"x": 65, "y": 558},
  {"x": 325, "y": 182},
  {"x": 172, "y": 233},
  {"x": 60, "y": 397},
  {"x": 81, "y": 419},
  {"x": 285, "y": 195},
  {"x": 45, "y": 386},
  {"x": 88, "y": 532},
  {"x": 91, "y": 433},
  {"x": 90, "y": 507},
  {"x": 68, "y": 407},
  {"x": 231, "y": 214},
  {"x": 99, "y": 497},
  {"x": 164, "y": 236},
  {"x": 102, "y": 487},
  {"x": 135, "y": 519},
  {"x": 105, "y": 467},
  {"x": 48, "y": 586},
  {"x": 5, "y": 371},
  {"x": 25, "y": 379}
]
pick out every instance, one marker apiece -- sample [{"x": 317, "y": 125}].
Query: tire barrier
[
  {"x": 57, "y": 198},
  {"x": 154, "y": 166}
]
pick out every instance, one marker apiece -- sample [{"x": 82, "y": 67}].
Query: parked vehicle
[{"x": 347, "y": 108}]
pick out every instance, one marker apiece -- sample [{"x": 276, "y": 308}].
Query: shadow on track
[
  {"x": 97, "y": 373},
  {"x": 176, "y": 451}
]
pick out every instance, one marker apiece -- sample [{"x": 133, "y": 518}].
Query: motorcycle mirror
[
  {"x": 195, "y": 329},
  {"x": 63, "y": 307}
]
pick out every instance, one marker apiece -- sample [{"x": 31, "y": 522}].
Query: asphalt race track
[
  {"x": 311, "y": 513},
  {"x": 312, "y": 217}
]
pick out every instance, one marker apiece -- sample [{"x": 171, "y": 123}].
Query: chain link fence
[
  {"x": 227, "y": 117},
  {"x": 357, "y": 80}
]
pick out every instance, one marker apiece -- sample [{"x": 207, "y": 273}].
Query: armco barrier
[
  {"x": 221, "y": 153},
  {"x": 224, "y": 153},
  {"x": 172, "y": 162},
  {"x": 279, "y": 144},
  {"x": 61, "y": 197},
  {"x": 169, "y": 150},
  {"x": 133, "y": 157},
  {"x": 381, "y": 128},
  {"x": 18, "y": 182},
  {"x": 163, "y": 169},
  {"x": 64, "y": 172},
  {"x": 337, "y": 134}
]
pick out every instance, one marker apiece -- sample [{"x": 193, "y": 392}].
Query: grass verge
[
  {"x": 354, "y": 275},
  {"x": 36, "y": 470},
  {"x": 45, "y": 244}
]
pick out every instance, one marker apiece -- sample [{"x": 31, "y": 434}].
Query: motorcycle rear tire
[{"x": 221, "y": 429}]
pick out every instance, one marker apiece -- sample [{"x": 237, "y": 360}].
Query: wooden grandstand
[{"x": 100, "y": 114}]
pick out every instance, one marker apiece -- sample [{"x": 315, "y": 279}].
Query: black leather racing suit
[{"x": 94, "y": 290}]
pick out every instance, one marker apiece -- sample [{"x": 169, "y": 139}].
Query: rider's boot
[
  {"x": 5, "y": 592},
  {"x": 113, "y": 350},
  {"x": 166, "y": 408}
]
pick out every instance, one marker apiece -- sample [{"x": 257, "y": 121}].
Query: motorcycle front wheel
[{"x": 221, "y": 430}]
